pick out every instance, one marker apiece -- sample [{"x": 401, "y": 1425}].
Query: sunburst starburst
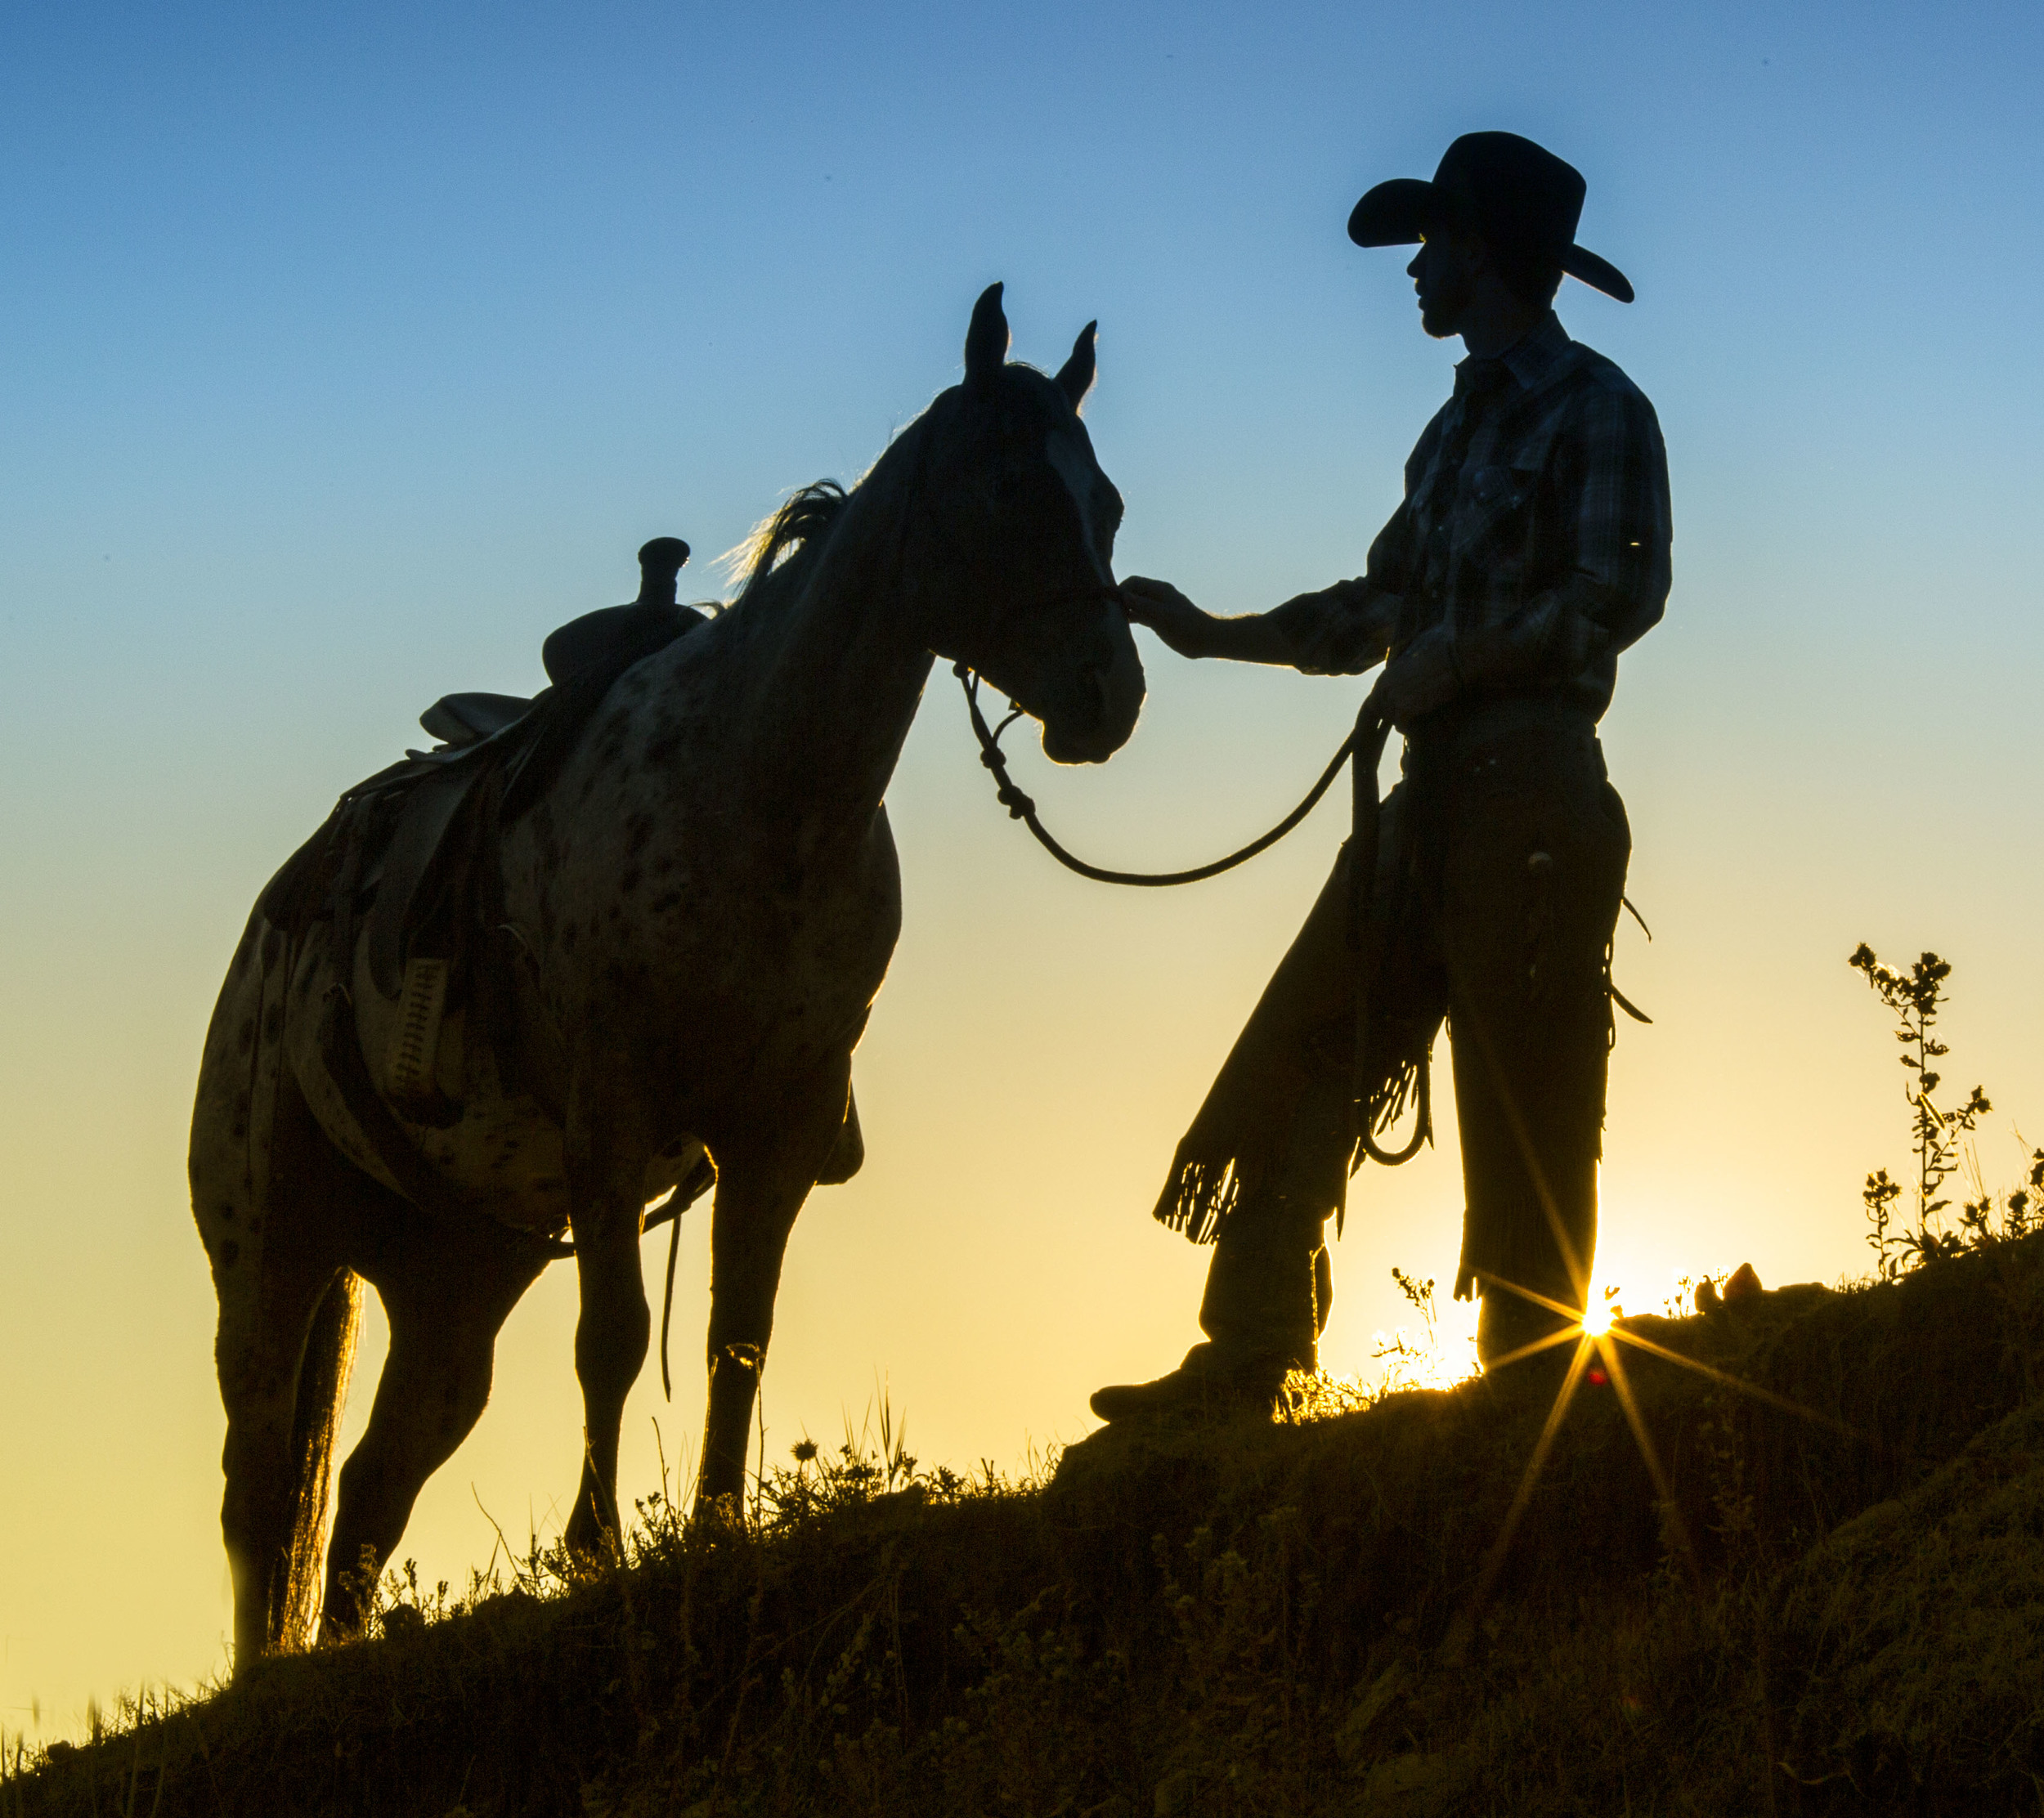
[{"x": 1597, "y": 1336}]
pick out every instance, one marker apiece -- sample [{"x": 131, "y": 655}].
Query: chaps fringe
[
  {"x": 1198, "y": 1197},
  {"x": 1209, "y": 1174}
]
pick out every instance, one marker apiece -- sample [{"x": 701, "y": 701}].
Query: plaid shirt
[{"x": 1534, "y": 529}]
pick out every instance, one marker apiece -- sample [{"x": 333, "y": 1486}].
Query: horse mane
[
  {"x": 785, "y": 545},
  {"x": 775, "y": 561}
]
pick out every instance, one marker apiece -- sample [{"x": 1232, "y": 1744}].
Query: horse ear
[
  {"x": 1075, "y": 377},
  {"x": 986, "y": 340}
]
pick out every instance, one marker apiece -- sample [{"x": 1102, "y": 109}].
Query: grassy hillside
[{"x": 1266, "y": 1619}]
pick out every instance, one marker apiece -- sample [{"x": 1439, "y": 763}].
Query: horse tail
[{"x": 316, "y": 1420}]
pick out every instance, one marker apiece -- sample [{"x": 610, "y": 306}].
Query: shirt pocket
[
  {"x": 1495, "y": 486},
  {"x": 1494, "y": 510}
]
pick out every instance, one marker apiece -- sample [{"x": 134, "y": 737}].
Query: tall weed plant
[{"x": 1941, "y": 1135}]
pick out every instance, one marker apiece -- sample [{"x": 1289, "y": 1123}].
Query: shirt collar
[{"x": 1533, "y": 357}]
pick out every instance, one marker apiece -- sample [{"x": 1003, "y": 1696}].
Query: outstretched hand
[{"x": 1168, "y": 613}]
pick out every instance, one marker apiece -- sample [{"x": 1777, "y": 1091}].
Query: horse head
[{"x": 1018, "y": 530}]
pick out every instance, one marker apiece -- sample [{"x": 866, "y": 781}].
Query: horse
[{"x": 703, "y": 905}]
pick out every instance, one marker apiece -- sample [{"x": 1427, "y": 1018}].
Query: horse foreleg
[
  {"x": 762, "y": 1181},
  {"x": 607, "y": 1209}
]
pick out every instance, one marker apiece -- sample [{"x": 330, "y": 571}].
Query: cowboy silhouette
[{"x": 1531, "y": 547}]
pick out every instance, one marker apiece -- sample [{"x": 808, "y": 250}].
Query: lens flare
[
  {"x": 1596, "y": 1339},
  {"x": 1602, "y": 1310}
]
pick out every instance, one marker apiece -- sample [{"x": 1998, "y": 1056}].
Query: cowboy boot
[{"x": 1267, "y": 1298}]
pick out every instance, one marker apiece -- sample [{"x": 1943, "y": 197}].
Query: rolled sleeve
[
  {"x": 1346, "y": 628},
  {"x": 1341, "y": 630}
]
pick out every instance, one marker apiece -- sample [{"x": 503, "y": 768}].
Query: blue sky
[{"x": 343, "y": 352}]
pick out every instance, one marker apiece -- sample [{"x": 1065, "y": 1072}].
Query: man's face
[{"x": 1444, "y": 274}]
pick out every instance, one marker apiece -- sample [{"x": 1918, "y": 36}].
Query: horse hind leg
[
  {"x": 287, "y": 1306},
  {"x": 447, "y": 1297}
]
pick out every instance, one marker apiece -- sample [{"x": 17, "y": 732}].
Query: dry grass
[{"x": 1248, "y": 1618}]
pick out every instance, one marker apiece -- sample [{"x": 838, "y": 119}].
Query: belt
[{"x": 1453, "y": 730}]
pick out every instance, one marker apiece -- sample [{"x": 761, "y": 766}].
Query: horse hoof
[
  {"x": 589, "y": 1540},
  {"x": 718, "y": 1514}
]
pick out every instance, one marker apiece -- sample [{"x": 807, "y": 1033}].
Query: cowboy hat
[{"x": 1523, "y": 199}]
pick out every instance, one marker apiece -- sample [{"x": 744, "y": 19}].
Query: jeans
[{"x": 1501, "y": 864}]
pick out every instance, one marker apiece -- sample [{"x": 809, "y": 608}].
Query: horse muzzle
[{"x": 1088, "y": 715}]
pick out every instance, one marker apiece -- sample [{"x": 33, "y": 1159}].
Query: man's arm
[
  {"x": 1339, "y": 630},
  {"x": 1619, "y": 583},
  {"x": 1289, "y": 635}
]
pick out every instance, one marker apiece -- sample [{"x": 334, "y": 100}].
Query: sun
[{"x": 1597, "y": 1342}]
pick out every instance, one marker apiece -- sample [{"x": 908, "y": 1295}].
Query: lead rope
[
  {"x": 1368, "y": 739},
  {"x": 1366, "y": 744},
  {"x": 1021, "y": 807}
]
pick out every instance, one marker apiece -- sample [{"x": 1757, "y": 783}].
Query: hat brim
[
  {"x": 1397, "y": 213},
  {"x": 1599, "y": 274},
  {"x": 1393, "y": 214}
]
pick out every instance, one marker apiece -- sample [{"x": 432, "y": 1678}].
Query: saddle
[{"x": 408, "y": 855}]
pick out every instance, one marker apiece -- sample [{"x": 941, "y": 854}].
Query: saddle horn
[
  {"x": 987, "y": 339},
  {"x": 1075, "y": 377},
  {"x": 659, "y": 562}
]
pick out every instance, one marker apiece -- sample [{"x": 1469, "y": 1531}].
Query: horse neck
[{"x": 841, "y": 675}]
